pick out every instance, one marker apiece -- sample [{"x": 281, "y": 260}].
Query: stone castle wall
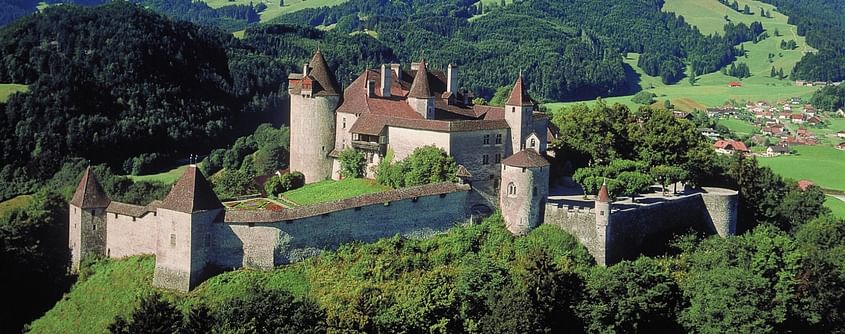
[
  {"x": 634, "y": 231},
  {"x": 312, "y": 135},
  {"x": 264, "y": 245},
  {"x": 127, "y": 235}
]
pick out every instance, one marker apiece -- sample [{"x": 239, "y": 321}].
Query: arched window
[{"x": 511, "y": 190}]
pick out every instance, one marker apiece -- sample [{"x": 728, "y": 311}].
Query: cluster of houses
[{"x": 817, "y": 83}]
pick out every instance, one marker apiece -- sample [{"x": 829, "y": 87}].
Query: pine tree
[{"x": 774, "y": 72}]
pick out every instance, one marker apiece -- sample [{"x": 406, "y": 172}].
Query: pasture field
[
  {"x": 18, "y": 202},
  {"x": 327, "y": 191},
  {"x": 7, "y": 89},
  {"x": 821, "y": 164},
  {"x": 836, "y": 206},
  {"x": 273, "y": 9},
  {"x": 739, "y": 126},
  {"x": 167, "y": 177}
]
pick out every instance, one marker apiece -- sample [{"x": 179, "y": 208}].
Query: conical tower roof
[
  {"x": 603, "y": 195},
  {"x": 526, "y": 159},
  {"x": 191, "y": 193},
  {"x": 320, "y": 72},
  {"x": 420, "y": 88},
  {"x": 89, "y": 194},
  {"x": 519, "y": 95}
]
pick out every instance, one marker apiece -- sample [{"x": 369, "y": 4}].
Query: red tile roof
[
  {"x": 731, "y": 145},
  {"x": 370, "y": 124},
  {"x": 526, "y": 159},
  {"x": 804, "y": 184},
  {"x": 191, "y": 193},
  {"x": 89, "y": 194},
  {"x": 603, "y": 196},
  {"x": 519, "y": 95}
]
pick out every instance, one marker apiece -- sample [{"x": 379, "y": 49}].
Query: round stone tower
[
  {"x": 721, "y": 209},
  {"x": 598, "y": 247},
  {"x": 523, "y": 192},
  {"x": 314, "y": 96}
]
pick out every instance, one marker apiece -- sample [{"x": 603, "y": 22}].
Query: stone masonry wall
[
  {"x": 579, "y": 222},
  {"x": 312, "y": 136},
  {"x": 127, "y": 236},
  {"x": 266, "y": 244}
]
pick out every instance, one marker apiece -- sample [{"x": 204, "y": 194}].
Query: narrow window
[
  {"x": 498, "y": 158},
  {"x": 533, "y": 142},
  {"x": 344, "y": 122},
  {"x": 486, "y": 139},
  {"x": 485, "y": 159},
  {"x": 511, "y": 189},
  {"x": 93, "y": 227},
  {"x": 534, "y": 192},
  {"x": 173, "y": 239},
  {"x": 499, "y": 138}
]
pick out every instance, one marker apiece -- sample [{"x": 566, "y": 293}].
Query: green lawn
[
  {"x": 836, "y": 206},
  {"x": 821, "y": 164},
  {"x": 7, "y": 90},
  {"x": 739, "y": 126},
  {"x": 274, "y": 10},
  {"x": 327, "y": 191},
  {"x": 14, "y": 203},
  {"x": 167, "y": 177}
]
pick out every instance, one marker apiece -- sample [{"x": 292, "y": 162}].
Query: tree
[
  {"x": 352, "y": 163},
  {"x": 666, "y": 175},
  {"x": 427, "y": 164},
  {"x": 270, "y": 159},
  {"x": 554, "y": 293},
  {"x": 668, "y": 104},
  {"x": 632, "y": 297},
  {"x": 261, "y": 310},
  {"x": 774, "y": 72},
  {"x": 501, "y": 95},
  {"x": 233, "y": 183},
  {"x": 281, "y": 3},
  {"x": 154, "y": 315},
  {"x": 644, "y": 97},
  {"x": 634, "y": 183}
]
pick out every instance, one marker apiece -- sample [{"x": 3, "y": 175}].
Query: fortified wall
[
  {"x": 627, "y": 231},
  {"x": 193, "y": 236}
]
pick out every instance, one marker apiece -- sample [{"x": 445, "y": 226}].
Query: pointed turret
[
  {"x": 519, "y": 95},
  {"x": 603, "y": 196},
  {"x": 89, "y": 194},
  {"x": 323, "y": 76},
  {"x": 191, "y": 193},
  {"x": 420, "y": 88}
]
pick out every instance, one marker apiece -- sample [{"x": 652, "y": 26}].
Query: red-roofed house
[
  {"x": 734, "y": 84},
  {"x": 841, "y": 146},
  {"x": 804, "y": 184},
  {"x": 730, "y": 146}
]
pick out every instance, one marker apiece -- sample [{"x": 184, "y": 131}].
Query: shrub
[
  {"x": 644, "y": 97},
  {"x": 352, "y": 163}
]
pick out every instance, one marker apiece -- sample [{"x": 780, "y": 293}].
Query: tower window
[
  {"x": 93, "y": 227},
  {"x": 486, "y": 139},
  {"x": 513, "y": 109},
  {"x": 498, "y": 158},
  {"x": 534, "y": 191},
  {"x": 533, "y": 142},
  {"x": 511, "y": 190},
  {"x": 499, "y": 138},
  {"x": 173, "y": 239},
  {"x": 485, "y": 159},
  {"x": 344, "y": 122}
]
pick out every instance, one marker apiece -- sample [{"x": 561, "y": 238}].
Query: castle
[{"x": 501, "y": 155}]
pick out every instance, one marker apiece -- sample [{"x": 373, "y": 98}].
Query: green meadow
[
  {"x": 166, "y": 177},
  {"x": 274, "y": 10},
  {"x": 822, "y": 164},
  {"x": 836, "y": 206},
  {"x": 739, "y": 126},
  {"x": 327, "y": 191},
  {"x": 18, "y": 202},
  {"x": 8, "y": 89}
]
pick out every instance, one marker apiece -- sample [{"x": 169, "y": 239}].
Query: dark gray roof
[
  {"x": 526, "y": 158},
  {"x": 420, "y": 88},
  {"x": 191, "y": 193},
  {"x": 324, "y": 77}
]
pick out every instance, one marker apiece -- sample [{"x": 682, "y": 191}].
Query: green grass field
[
  {"x": 821, "y": 164},
  {"x": 739, "y": 126},
  {"x": 18, "y": 202},
  {"x": 167, "y": 177},
  {"x": 836, "y": 206},
  {"x": 7, "y": 90},
  {"x": 327, "y": 191},
  {"x": 274, "y": 10}
]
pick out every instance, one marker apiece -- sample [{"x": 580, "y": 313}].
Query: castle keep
[{"x": 501, "y": 152}]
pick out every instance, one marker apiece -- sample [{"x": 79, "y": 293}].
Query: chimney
[
  {"x": 452, "y": 79},
  {"x": 371, "y": 88},
  {"x": 305, "y": 70},
  {"x": 386, "y": 81},
  {"x": 397, "y": 70}
]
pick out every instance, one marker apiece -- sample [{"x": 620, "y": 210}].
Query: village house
[
  {"x": 795, "y": 100},
  {"x": 728, "y": 146},
  {"x": 777, "y": 150},
  {"x": 814, "y": 120},
  {"x": 797, "y": 118},
  {"x": 841, "y": 146},
  {"x": 840, "y": 134}
]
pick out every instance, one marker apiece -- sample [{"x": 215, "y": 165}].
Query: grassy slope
[
  {"x": 712, "y": 89},
  {"x": 274, "y": 10},
  {"x": 327, "y": 191},
  {"x": 836, "y": 206},
  {"x": 739, "y": 126},
  {"x": 167, "y": 177},
  {"x": 7, "y": 90},
  {"x": 14, "y": 203},
  {"x": 822, "y": 164}
]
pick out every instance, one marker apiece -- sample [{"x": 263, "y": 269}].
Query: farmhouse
[
  {"x": 841, "y": 146},
  {"x": 776, "y": 150},
  {"x": 841, "y": 134},
  {"x": 728, "y": 146}
]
